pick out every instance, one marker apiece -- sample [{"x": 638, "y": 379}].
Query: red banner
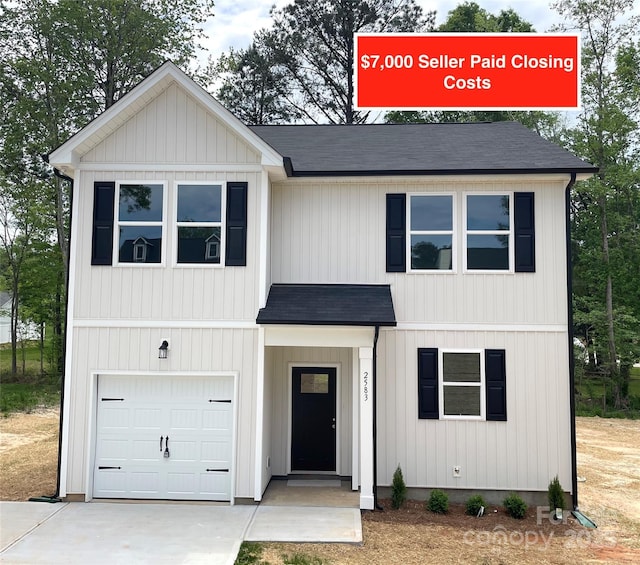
[{"x": 468, "y": 71}]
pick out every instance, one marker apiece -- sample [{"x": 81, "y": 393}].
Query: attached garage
[{"x": 164, "y": 437}]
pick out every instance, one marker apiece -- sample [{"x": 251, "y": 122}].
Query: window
[
  {"x": 488, "y": 232},
  {"x": 498, "y": 233},
  {"x": 457, "y": 384},
  {"x": 199, "y": 223},
  {"x": 461, "y": 384},
  {"x": 431, "y": 241},
  {"x": 140, "y": 222}
]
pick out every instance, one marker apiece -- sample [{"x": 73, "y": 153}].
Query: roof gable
[
  {"x": 68, "y": 155},
  {"x": 174, "y": 128}
]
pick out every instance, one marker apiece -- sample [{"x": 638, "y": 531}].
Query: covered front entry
[
  {"x": 313, "y": 419},
  {"x": 305, "y": 330},
  {"x": 164, "y": 437}
]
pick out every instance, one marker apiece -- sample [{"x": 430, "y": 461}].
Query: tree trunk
[
  {"x": 611, "y": 339},
  {"x": 41, "y": 349},
  {"x": 14, "y": 327}
]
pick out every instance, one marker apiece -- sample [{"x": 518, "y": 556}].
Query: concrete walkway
[{"x": 163, "y": 533}]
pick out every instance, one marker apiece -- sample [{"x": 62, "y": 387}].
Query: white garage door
[{"x": 162, "y": 437}]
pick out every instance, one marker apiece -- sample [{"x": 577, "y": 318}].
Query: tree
[
  {"x": 310, "y": 48},
  {"x": 470, "y": 17},
  {"x": 62, "y": 63},
  {"x": 251, "y": 86},
  {"x": 606, "y": 208}
]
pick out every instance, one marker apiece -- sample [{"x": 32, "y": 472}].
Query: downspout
[
  {"x": 572, "y": 390},
  {"x": 376, "y": 506},
  {"x": 55, "y": 497}
]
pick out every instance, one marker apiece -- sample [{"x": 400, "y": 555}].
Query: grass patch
[
  {"x": 30, "y": 369},
  {"x": 251, "y": 554},
  {"x": 22, "y": 397},
  {"x": 590, "y": 397}
]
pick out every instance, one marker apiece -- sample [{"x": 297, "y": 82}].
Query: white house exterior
[{"x": 327, "y": 294}]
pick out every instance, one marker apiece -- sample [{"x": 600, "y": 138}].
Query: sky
[{"x": 236, "y": 20}]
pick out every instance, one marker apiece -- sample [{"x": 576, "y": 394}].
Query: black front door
[{"x": 313, "y": 419}]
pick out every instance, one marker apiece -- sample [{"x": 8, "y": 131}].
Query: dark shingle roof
[
  {"x": 329, "y": 304},
  {"x": 497, "y": 147}
]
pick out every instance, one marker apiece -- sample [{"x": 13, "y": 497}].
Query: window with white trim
[
  {"x": 139, "y": 221},
  {"x": 488, "y": 234},
  {"x": 199, "y": 223},
  {"x": 431, "y": 238},
  {"x": 462, "y": 384}
]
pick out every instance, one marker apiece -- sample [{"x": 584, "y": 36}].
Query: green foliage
[
  {"x": 438, "y": 502},
  {"x": 555, "y": 494},
  {"x": 305, "y": 59},
  {"x": 469, "y": 17},
  {"x": 515, "y": 506},
  {"x": 606, "y": 207},
  {"x": 398, "y": 489},
  {"x": 20, "y": 397},
  {"x": 250, "y": 553},
  {"x": 474, "y": 504}
]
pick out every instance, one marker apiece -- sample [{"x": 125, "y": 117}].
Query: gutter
[
  {"x": 55, "y": 497},
  {"x": 374, "y": 375},
  {"x": 572, "y": 395}
]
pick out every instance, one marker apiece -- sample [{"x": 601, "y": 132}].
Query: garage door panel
[
  {"x": 184, "y": 451},
  {"x": 147, "y": 419},
  {"x": 216, "y": 485},
  {"x": 145, "y": 450},
  {"x": 150, "y": 407},
  {"x": 216, "y": 451},
  {"x": 114, "y": 418},
  {"x": 217, "y": 419},
  {"x": 185, "y": 418},
  {"x": 144, "y": 483}
]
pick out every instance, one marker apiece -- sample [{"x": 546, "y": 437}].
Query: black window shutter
[
  {"x": 102, "y": 239},
  {"x": 525, "y": 236},
  {"x": 428, "y": 383},
  {"x": 236, "y": 233},
  {"x": 496, "y": 384},
  {"x": 396, "y": 233}
]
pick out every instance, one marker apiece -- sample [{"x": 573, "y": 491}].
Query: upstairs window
[
  {"x": 199, "y": 223},
  {"x": 488, "y": 234},
  {"x": 140, "y": 222},
  {"x": 431, "y": 237}
]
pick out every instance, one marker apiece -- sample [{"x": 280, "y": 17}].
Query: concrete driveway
[{"x": 97, "y": 533}]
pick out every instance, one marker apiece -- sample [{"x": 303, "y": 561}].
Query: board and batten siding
[
  {"x": 172, "y": 128},
  {"x": 164, "y": 292},
  {"x": 334, "y": 232},
  {"x": 135, "y": 350},
  {"x": 277, "y": 375},
  {"x": 523, "y": 453}
]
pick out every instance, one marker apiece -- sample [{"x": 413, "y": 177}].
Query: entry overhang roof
[{"x": 329, "y": 304}]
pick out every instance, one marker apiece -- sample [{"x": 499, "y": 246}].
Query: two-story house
[{"x": 251, "y": 302}]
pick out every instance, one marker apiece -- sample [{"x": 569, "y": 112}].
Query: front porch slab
[{"x": 305, "y": 524}]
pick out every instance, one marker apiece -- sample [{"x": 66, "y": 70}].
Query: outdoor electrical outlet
[{"x": 456, "y": 471}]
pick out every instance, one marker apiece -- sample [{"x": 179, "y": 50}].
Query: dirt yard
[{"x": 609, "y": 491}]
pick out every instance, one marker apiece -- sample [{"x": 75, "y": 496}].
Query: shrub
[
  {"x": 438, "y": 502},
  {"x": 398, "y": 489},
  {"x": 474, "y": 504},
  {"x": 515, "y": 506},
  {"x": 556, "y": 495}
]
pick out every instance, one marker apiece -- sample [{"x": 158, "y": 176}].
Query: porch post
[{"x": 366, "y": 428}]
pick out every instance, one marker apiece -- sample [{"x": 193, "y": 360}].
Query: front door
[{"x": 313, "y": 419}]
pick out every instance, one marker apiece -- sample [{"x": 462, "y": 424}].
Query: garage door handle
[
  {"x": 101, "y": 468},
  {"x": 218, "y": 470},
  {"x": 226, "y": 401},
  {"x": 161, "y": 439}
]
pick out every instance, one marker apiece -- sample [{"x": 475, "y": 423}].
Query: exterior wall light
[{"x": 163, "y": 350}]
